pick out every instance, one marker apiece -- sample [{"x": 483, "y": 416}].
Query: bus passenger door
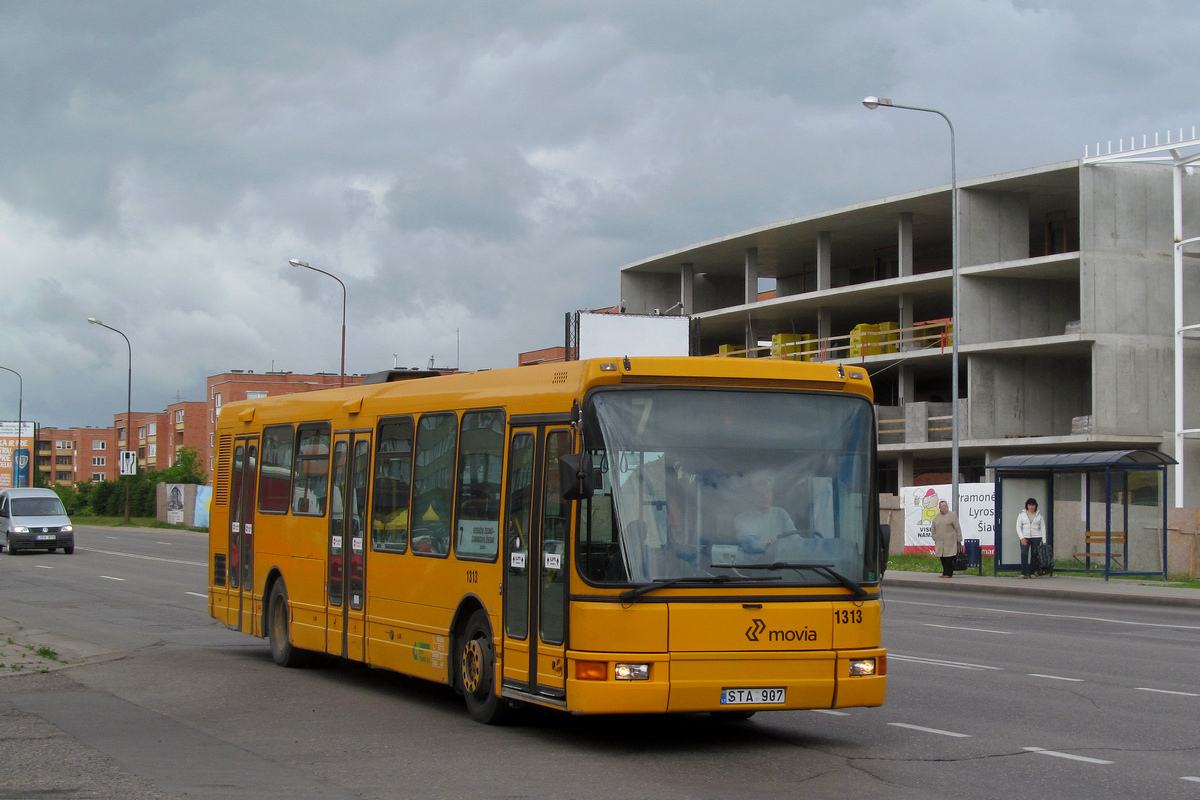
[
  {"x": 240, "y": 566},
  {"x": 346, "y": 580},
  {"x": 535, "y": 555}
]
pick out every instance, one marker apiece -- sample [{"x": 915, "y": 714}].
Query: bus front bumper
[{"x": 689, "y": 682}]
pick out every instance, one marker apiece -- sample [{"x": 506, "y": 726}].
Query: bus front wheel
[
  {"x": 283, "y": 652},
  {"x": 477, "y": 671}
]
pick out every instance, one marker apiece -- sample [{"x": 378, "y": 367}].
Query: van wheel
[
  {"x": 12, "y": 548},
  {"x": 69, "y": 549},
  {"x": 283, "y": 652},
  {"x": 477, "y": 672}
]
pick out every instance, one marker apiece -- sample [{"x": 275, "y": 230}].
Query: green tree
[{"x": 186, "y": 470}]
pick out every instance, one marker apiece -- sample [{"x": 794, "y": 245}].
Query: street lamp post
[
  {"x": 128, "y": 405},
  {"x": 875, "y": 102},
  {"x": 20, "y": 403},
  {"x": 298, "y": 263}
]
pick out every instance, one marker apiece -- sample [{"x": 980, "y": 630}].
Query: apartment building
[
  {"x": 65, "y": 456},
  {"x": 1068, "y": 328}
]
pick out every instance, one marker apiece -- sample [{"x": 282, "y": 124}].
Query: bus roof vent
[{"x": 400, "y": 374}]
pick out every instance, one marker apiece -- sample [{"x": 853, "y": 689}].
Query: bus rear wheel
[
  {"x": 283, "y": 652},
  {"x": 477, "y": 671}
]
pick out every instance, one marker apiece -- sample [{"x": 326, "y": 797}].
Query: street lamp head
[
  {"x": 94, "y": 321},
  {"x": 872, "y": 102},
  {"x": 295, "y": 262}
]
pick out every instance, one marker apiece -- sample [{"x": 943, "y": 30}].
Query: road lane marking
[
  {"x": 1071, "y": 756},
  {"x": 1191, "y": 778},
  {"x": 1167, "y": 691},
  {"x": 197, "y": 594},
  {"x": 956, "y": 628},
  {"x": 111, "y": 578},
  {"x": 940, "y": 663},
  {"x": 938, "y": 731},
  {"x": 44, "y": 566},
  {"x": 1044, "y": 614},
  {"x": 1055, "y": 677},
  {"x": 164, "y": 544},
  {"x": 146, "y": 558},
  {"x": 829, "y": 711}
]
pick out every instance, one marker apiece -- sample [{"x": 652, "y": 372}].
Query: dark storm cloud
[{"x": 476, "y": 169}]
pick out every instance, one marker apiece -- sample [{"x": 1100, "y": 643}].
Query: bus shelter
[{"x": 1105, "y": 512}]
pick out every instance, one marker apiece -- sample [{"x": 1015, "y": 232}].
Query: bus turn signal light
[{"x": 591, "y": 670}]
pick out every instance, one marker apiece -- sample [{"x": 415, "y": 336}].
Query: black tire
[
  {"x": 733, "y": 716},
  {"x": 69, "y": 549},
  {"x": 283, "y": 652},
  {"x": 12, "y": 548},
  {"x": 477, "y": 672}
]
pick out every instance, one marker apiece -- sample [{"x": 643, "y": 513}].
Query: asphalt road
[{"x": 989, "y": 696}]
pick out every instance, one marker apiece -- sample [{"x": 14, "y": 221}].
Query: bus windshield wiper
[
  {"x": 859, "y": 592},
  {"x": 646, "y": 588}
]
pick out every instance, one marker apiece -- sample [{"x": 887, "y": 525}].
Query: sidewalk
[{"x": 1063, "y": 586}]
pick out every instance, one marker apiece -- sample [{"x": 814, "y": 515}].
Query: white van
[{"x": 34, "y": 519}]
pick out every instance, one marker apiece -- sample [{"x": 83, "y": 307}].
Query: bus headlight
[
  {"x": 631, "y": 672},
  {"x": 862, "y": 666}
]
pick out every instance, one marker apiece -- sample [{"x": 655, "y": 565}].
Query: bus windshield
[{"x": 715, "y": 483}]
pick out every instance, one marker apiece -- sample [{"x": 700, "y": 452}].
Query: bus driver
[{"x": 761, "y": 525}]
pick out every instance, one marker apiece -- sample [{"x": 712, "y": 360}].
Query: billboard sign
[
  {"x": 15, "y": 448},
  {"x": 976, "y": 514}
]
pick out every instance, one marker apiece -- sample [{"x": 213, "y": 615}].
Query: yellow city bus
[{"x": 631, "y": 535}]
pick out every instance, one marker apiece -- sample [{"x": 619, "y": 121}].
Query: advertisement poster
[
  {"x": 175, "y": 493},
  {"x": 976, "y": 510},
  {"x": 203, "y": 499},
  {"x": 15, "y": 450}
]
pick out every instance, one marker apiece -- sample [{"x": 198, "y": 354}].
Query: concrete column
[
  {"x": 687, "y": 288},
  {"x": 906, "y": 322},
  {"x": 824, "y": 322},
  {"x": 751, "y": 275},
  {"x": 824, "y": 260},
  {"x": 904, "y": 379},
  {"x": 904, "y": 471},
  {"x": 905, "y": 242}
]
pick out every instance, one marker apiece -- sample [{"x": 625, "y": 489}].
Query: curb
[{"x": 1046, "y": 591}]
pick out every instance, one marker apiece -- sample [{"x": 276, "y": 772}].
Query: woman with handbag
[
  {"x": 1031, "y": 530},
  {"x": 947, "y": 537}
]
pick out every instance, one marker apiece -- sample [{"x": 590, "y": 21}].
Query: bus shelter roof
[{"x": 1077, "y": 462}]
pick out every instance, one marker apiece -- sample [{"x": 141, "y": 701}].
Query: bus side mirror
[
  {"x": 885, "y": 547},
  {"x": 576, "y": 476}
]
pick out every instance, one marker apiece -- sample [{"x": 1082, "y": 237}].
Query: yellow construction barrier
[{"x": 794, "y": 346}]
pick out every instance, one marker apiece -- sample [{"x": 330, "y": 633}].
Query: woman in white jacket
[{"x": 1031, "y": 530}]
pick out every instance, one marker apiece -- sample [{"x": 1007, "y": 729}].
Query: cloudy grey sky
[{"x": 481, "y": 166}]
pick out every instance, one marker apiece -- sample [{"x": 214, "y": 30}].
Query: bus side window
[
  {"x": 310, "y": 475},
  {"x": 275, "y": 469},
  {"x": 480, "y": 462},
  {"x": 393, "y": 480},
  {"x": 433, "y": 484}
]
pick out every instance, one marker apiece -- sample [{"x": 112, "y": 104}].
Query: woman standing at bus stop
[{"x": 1031, "y": 530}]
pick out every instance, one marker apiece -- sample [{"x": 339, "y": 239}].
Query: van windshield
[{"x": 37, "y": 507}]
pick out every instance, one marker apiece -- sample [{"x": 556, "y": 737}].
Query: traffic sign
[{"x": 129, "y": 462}]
